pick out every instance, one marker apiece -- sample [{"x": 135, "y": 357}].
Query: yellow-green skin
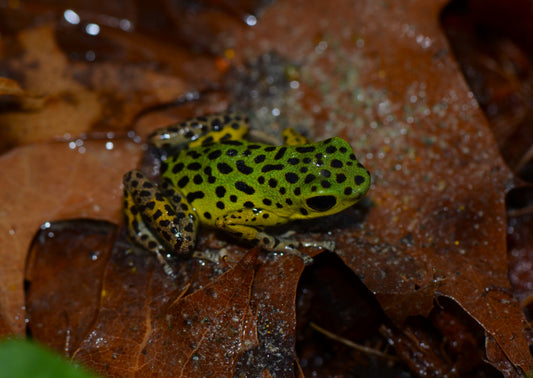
[{"x": 220, "y": 180}]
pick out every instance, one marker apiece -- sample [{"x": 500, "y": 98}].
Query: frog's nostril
[{"x": 321, "y": 203}]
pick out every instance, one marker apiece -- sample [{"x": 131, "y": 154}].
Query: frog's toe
[
  {"x": 326, "y": 244},
  {"x": 308, "y": 260},
  {"x": 214, "y": 256}
]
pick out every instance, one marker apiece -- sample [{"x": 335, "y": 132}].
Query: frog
[{"x": 211, "y": 175}]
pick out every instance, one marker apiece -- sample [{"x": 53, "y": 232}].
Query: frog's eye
[{"x": 321, "y": 203}]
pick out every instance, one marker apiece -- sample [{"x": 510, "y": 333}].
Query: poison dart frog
[{"x": 218, "y": 179}]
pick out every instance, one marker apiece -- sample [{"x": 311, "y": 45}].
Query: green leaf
[{"x": 23, "y": 358}]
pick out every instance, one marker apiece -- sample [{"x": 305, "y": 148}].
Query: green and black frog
[{"x": 219, "y": 179}]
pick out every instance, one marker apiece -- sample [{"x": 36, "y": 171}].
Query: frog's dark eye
[{"x": 321, "y": 203}]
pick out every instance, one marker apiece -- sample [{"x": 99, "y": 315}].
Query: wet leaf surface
[
  {"x": 136, "y": 321},
  {"x": 63, "y": 321},
  {"x": 161, "y": 329},
  {"x": 274, "y": 314},
  {"x": 422, "y": 261}
]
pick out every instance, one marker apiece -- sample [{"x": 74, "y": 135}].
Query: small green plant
[{"x": 23, "y": 358}]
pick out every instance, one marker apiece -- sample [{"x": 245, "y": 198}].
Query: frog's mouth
[{"x": 321, "y": 203}]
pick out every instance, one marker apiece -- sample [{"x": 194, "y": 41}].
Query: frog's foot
[
  {"x": 307, "y": 260},
  {"x": 214, "y": 256},
  {"x": 291, "y": 246},
  {"x": 159, "y": 253},
  {"x": 288, "y": 234},
  {"x": 166, "y": 266},
  {"x": 328, "y": 245}
]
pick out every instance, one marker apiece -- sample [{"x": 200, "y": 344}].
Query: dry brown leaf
[
  {"x": 168, "y": 335},
  {"x": 69, "y": 257},
  {"x": 51, "y": 182},
  {"x": 10, "y": 87},
  {"x": 223, "y": 327},
  {"x": 439, "y": 180}
]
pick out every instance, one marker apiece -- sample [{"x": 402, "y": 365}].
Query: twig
[{"x": 353, "y": 345}]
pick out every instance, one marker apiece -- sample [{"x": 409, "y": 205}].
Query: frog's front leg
[
  {"x": 157, "y": 219},
  {"x": 241, "y": 224}
]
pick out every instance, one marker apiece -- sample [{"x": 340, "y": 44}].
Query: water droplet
[
  {"x": 92, "y": 29},
  {"x": 250, "y": 20},
  {"x": 71, "y": 17}
]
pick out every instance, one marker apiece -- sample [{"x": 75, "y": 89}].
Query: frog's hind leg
[
  {"x": 141, "y": 234},
  {"x": 202, "y": 130},
  {"x": 292, "y": 137},
  {"x": 152, "y": 220}
]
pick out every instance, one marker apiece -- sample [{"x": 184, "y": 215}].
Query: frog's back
[{"x": 303, "y": 181}]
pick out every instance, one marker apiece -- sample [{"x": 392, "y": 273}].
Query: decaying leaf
[
  {"x": 63, "y": 257},
  {"x": 201, "y": 332},
  {"x": 82, "y": 97}
]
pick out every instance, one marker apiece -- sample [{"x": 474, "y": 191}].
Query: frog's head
[{"x": 334, "y": 181}]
